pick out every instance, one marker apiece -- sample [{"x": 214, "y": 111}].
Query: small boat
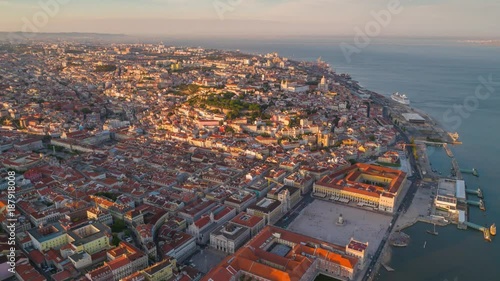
[
  {"x": 425, "y": 243},
  {"x": 433, "y": 232},
  {"x": 493, "y": 229},
  {"x": 480, "y": 193},
  {"x": 474, "y": 172}
]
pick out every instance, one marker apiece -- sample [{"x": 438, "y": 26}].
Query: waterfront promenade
[{"x": 408, "y": 211}]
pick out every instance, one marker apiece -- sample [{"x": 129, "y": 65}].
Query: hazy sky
[{"x": 466, "y": 18}]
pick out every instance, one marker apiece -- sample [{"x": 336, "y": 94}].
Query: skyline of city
[
  {"x": 254, "y": 17},
  {"x": 242, "y": 140}
]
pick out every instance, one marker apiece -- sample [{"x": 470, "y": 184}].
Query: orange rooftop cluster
[
  {"x": 276, "y": 254},
  {"x": 368, "y": 185}
]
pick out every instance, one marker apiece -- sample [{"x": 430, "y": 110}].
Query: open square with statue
[{"x": 321, "y": 220}]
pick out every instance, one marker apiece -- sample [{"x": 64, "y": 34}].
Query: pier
[
  {"x": 488, "y": 232},
  {"x": 388, "y": 268},
  {"x": 478, "y": 192},
  {"x": 448, "y": 150},
  {"x": 485, "y": 230},
  {"x": 473, "y": 172},
  {"x": 475, "y": 226},
  {"x": 479, "y": 204},
  {"x": 455, "y": 170}
]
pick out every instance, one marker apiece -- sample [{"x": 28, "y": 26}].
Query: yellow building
[
  {"x": 163, "y": 270},
  {"x": 370, "y": 185},
  {"x": 269, "y": 209},
  {"x": 91, "y": 238},
  {"x": 48, "y": 237}
]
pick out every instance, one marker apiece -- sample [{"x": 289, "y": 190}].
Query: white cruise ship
[{"x": 400, "y": 98}]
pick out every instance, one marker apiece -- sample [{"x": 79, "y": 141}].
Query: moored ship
[
  {"x": 401, "y": 98},
  {"x": 433, "y": 232}
]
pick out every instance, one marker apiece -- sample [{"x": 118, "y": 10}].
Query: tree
[
  {"x": 254, "y": 107},
  {"x": 118, "y": 226},
  {"x": 46, "y": 138},
  {"x": 337, "y": 143},
  {"x": 193, "y": 89},
  {"x": 105, "y": 68},
  {"x": 229, "y": 129},
  {"x": 7, "y": 121},
  {"x": 115, "y": 240},
  {"x": 86, "y": 110},
  {"x": 109, "y": 195},
  {"x": 233, "y": 114}
]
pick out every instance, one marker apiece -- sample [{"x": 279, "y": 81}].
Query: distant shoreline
[{"x": 491, "y": 42}]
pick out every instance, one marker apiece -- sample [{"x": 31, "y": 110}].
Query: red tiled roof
[
  {"x": 118, "y": 262},
  {"x": 53, "y": 255},
  {"x": 28, "y": 272},
  {"x": 62, "y": 275},
  {"x": 355, "y": 245},
  {"x": 349, "y": 179},
  {"x": 103, "y": 270},
  {"x": 292, "y": 267},
  {"x": 247, "y": 219},
  {"x": 36, "y": 256},
  {"x": 202, "y": 221}
]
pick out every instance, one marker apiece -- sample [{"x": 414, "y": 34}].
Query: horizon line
[{"x": 229, "y": 36}]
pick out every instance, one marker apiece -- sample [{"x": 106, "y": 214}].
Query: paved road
[
  {"x": 295, "y": 211},
  {"x": 410, "y": 194}
]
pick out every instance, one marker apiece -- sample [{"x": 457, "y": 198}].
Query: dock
[
  {"x": 474, "y": 226},
  {"x": 448, "y": 150},
  {"x": 478, "y": 192},
  {"x": 463, "y": 223},
  {"x": 455, "y": 170},
  {"x": 485, "y": 230},
  {"x": 479, "y": 204},
  {"x": 474, "y": 172}
]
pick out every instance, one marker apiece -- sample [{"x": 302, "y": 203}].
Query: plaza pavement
[{"x": 319, "y": 219}]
